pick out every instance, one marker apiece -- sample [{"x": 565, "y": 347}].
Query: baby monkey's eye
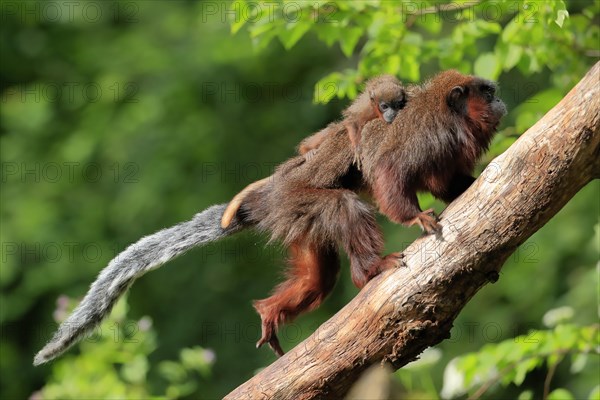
[
  {"x": 383, "y": 106},
  {"x": 398, "y": 104}
]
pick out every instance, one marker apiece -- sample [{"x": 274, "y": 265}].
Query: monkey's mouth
[{"x": 499, "y": 113}]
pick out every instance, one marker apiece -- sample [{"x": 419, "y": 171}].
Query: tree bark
[{"x": 402, "y": 312}]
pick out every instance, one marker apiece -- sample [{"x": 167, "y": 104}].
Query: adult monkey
[{"x": 311, "y": 204}]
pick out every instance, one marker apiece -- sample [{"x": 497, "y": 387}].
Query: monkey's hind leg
[{"x": 311, "y": 278}]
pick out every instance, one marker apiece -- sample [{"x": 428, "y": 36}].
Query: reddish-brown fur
[
  {"x": 311, "y": 205},
  {"x": 365, "y": 108},
  {"x": 382, "y": 89},
  {"x": 432, "y": 145}
]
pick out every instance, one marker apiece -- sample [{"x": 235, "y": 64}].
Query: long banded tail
[{"x": 148, "y": 253}]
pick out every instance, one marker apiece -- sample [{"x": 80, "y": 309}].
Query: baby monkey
[{"x": 382, "y": 98}]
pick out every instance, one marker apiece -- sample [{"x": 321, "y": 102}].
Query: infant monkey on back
[{"x": 382, "y": 98}]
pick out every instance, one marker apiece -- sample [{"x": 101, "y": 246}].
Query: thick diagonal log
[{"x": 404, "y": 311}]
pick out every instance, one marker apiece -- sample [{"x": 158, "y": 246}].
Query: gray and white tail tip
[{"x": 42, "y": 357}]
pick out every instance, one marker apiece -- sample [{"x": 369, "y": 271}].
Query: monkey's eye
[
  {"x": 488, "y": 91},
  {"x": 383, "y": 106},
  {"x": 398, "y": 104}
]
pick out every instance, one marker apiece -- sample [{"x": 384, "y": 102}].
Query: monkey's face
[
  {"x": 390, "y": 109},
  {"x": 389, "y": 106},
  {"x": 387, "y": 96},
  {"x": 476, "y": 100}
]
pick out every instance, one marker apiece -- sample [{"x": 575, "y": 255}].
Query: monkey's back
[{"x": 305, "y": 189}]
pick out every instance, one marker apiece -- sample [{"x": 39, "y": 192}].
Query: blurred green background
[{"x": 121, "y": 118}]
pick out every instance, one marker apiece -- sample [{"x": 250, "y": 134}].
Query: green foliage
[
  {"x": 416, "y": 378},
  {"x": 113, "y": 363},
  {"x": 510, "y": 361},
  {"x": 188, "y": 113},
  {"x": 484, "y": 37}
]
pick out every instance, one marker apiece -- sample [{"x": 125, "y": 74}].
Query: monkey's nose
[{"x": 389, "y": 116}]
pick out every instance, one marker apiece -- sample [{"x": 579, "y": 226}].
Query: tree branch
[{"x": 402, "y": 312}]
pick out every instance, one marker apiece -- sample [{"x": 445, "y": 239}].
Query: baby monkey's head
[
  {"x": 387, "y": 96},
  {"x": 382, "y": 98}
]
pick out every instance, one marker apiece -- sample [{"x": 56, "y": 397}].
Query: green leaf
[
  {"x": 487, "y": 66},
  {"x": 172, "y": 371},
  {"x": 560, "y": 17},
  {"x": 555, "y": 358},
  {"x": 523, "y": 368},
  {"x": 526, "y": 395},
  {"x": 410, "y": 69},
  {"x": 261, "y": 28},
  {"x": 327, "y": 88},
  {"x": 513, "y": 56},
  {"x": 432, "y": 25},
  {"x": 560, "y": 394},
  {"x": 484, "y": 26},
  {"x": 455, "y": 383},
  {"x": 510, "y": 30},
  {"x": 328, "y": 33},
  {"x": 595, "y": 393},
  {"x": 361, "y": 5},
  {"x": 351, "y": 89},
  {"x": 458, "y": 35},
  {"x": 260, "y": 42},
  {"x": 135, "y": 370},
  {"x": 349, "y": 40},
  {"x": 578, "y": 363},
  {"x": 236, "y": 20},
  {"x": 392, "y": 65},
  {"x": 532, "y": 63},
  {"x": 294, "y": 32},
  {"x": 566, "y": 336},
  {"x": 560, "y": 8}
]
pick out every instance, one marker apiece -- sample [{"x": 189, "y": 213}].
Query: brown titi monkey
[
  {"x": 311, "y": 205},
  {"x": 382, "y": 98}
]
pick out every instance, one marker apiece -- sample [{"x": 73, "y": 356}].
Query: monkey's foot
[
  {"x": 269, "y": 337},
  {"x": 427, "y": 221},
  {"x": 310, "y": 154},
  {"x": 269, "y": 322},
  {"x": 393, "y": 260}
]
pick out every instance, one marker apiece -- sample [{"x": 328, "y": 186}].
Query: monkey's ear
[{"x": 457, "y": 99}]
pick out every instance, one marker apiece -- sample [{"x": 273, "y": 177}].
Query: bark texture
[{"x": 402, "y": 312}]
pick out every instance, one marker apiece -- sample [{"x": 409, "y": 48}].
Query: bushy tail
[{"x": 148, "y": 253}]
